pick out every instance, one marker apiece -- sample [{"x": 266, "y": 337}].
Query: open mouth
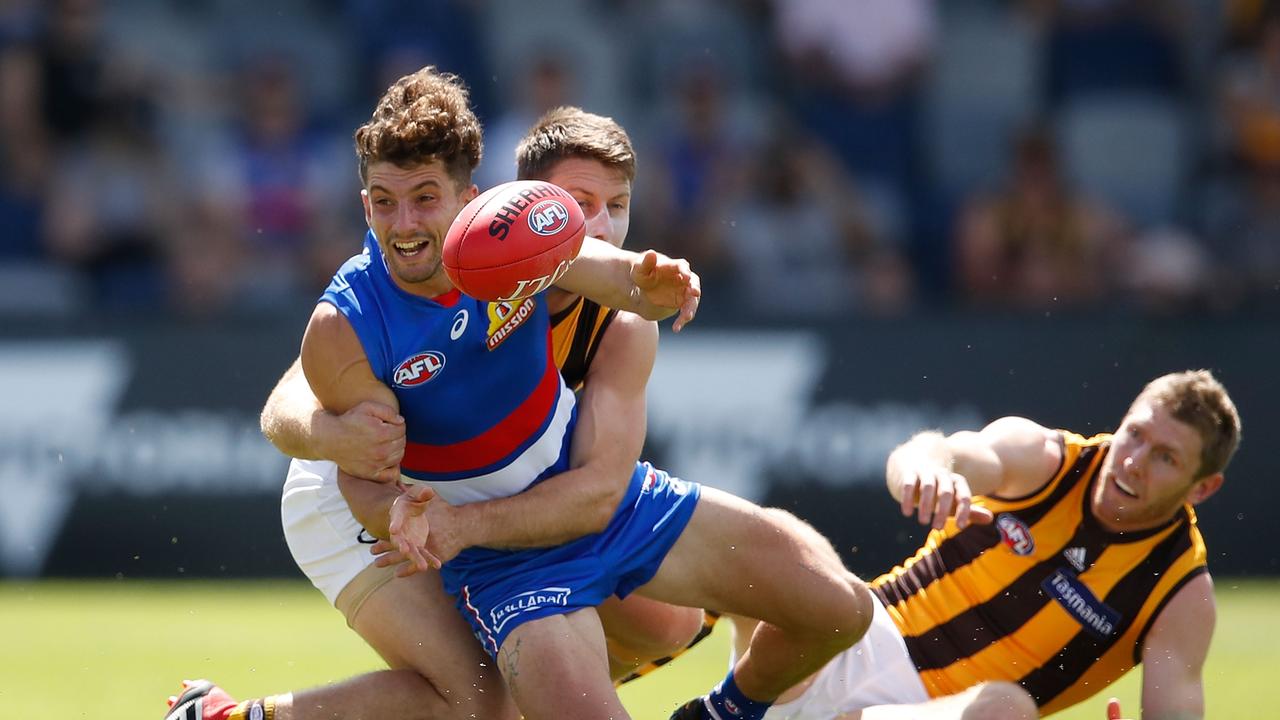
[
  {"x": 1122, "y": 487},
  {"x": 409, "y": 248}
]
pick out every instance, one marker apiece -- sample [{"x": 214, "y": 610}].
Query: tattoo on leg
[{"x": 510, "y": 658}]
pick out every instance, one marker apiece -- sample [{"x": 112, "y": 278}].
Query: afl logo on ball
[
  {"x": 418, "y": 369},
  {"x": 548, "y": 217}
]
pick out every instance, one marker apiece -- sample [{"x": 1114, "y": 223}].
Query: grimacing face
[
  {"x": 1150, "y": 470},
  {"x": 410, "y": 211},
  {"x": 603, "y": 193}
]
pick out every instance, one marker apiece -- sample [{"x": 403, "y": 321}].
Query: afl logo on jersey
[
  {"x": 420, "y": 368},
  {"x": 1015, "y": 534},
  {"x": 548, "y": 217}
]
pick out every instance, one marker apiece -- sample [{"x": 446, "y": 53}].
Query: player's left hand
[
  {"x": 443, "y": 539},
  {"x": 668, "y": 283}
]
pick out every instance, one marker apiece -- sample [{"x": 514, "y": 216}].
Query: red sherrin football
[{"x": 514, "y": 240}]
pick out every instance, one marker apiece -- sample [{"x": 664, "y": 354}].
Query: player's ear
[
  {"x": 470, "y": 193},
  {"x": 368, "y": 208},
  {"x": 1204, "y": 488}
]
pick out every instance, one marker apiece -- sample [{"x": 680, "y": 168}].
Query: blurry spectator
[
  {"x": 802, "y": 245},
  {"x": 24, "y": 157},
  {"x": 697, "y": 158},
  {"x": 281, "y": 180},
  {"x": 110, "y": 194},
  {"x": 72, "y": 60},
  {"x": 1243, "y": 231},
  {"x": 395, "y": 37},
  {"x": 1113, "y": 45},
  {"x": 1251, "y": 102},
  {"x": 549, "y": 84},
  {"x": 854, "y": 79},
  {"x": 1035, "y": 244}
]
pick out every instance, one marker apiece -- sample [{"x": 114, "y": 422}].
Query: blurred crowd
[{"x": 813, "y": 158}]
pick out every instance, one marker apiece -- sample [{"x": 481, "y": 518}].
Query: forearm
[
  {"x": 370, "y": 502},
  {"x": 292, "y": 417},
  {"x": 559, "y": 509}
]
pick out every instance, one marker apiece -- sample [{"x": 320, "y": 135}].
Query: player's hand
[
  {"x": 410, "y": 528},
  {"x": 668, "y": 283},
  {"x": 1113, "y": 710},
  {"x": 366, "y": 441},
  {"x": 934, "y": 493}
]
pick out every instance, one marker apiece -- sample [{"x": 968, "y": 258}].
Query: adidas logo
[{"x": 1075, "y": 556}]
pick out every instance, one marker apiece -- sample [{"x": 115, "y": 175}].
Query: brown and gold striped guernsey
[
  {"x": 1044, "y": 597},
  {"x": 576, "y": 332}
]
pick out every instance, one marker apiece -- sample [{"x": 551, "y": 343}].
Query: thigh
[
  {"x": 556, "y": 667},
  {"x": 412, "y": 623},
  {"x": 738, "y": 558}
]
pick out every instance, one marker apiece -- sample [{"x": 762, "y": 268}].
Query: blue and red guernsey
[{"x": 486, "y": 411}]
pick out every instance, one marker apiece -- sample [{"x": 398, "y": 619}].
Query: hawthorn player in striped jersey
[{"x": 1056, "y": 564}]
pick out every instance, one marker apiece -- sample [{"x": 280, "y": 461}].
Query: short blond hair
[
  {"x": 1195, "y": 397},
  {"x": 571, "y": 132}
]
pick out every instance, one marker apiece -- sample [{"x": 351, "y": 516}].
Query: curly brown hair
[
  {"x": 571, "y": 132},
  {"x": 1195, "y": 397},
  {"x": 424, "y": 116}
]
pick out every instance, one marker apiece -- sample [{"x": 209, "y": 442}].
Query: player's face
[
  {"x": 604, "y": 194},
  {"x": 409, "y": 211},
  {"x": 1150, "y": 471}
]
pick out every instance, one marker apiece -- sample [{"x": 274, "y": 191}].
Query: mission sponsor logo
[
  {"x": 418, "y": 369},
  {"x": 1094, "y": 615},
  {"x": 528, "y": 602},
  {"x": 505, "y": 317},
  {"x": 1015, "y": 534}
]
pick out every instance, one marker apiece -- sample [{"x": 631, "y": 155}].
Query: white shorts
[
  {"x": 328, "y": 543},
  {"x": 875, "y": 671}
]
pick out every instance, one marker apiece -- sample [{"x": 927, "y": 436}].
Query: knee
[
  {"x": 662, "y": 634},
  {"x": 1000, "y": 701},
  {"x": 858, "y": 609}
]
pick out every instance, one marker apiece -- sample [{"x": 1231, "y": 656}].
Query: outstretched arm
[
  {"x": 580, "y": 501},
  {"x": 1174, "y": 654},
  {"x": 650, "y": 285},
  {"x": 936, "y": 475},
  {"x": 366, "y": 441}
]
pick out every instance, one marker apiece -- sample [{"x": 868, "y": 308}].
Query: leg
[
  {"x": 555, "y": 667},
  {"x": 439, "y": 670},
  {"x": 738, "y": 558},
  {"x": 639, "y": 630},
  {"x": 987, "y": 701}
]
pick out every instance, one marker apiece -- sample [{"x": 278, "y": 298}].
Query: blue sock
[{"x": 728, "y": 703}]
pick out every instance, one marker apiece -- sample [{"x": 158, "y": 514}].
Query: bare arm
[
  {"x": 1174, "y": 654},
  {"x": 651, "y": 285},
  {"x": 935, "y": 475},
  {"x": 366, "y": 441},
  {"x": 338, "y": 371},
  {"x": 606, "y": 443}
]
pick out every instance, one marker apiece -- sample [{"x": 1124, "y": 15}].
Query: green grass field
[{"x": 114, "y": 650}]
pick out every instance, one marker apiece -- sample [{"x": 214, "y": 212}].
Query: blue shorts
[{"x": 497, "y": 591}]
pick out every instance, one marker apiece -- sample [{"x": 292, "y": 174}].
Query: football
[{"x": 514, "y": 240}]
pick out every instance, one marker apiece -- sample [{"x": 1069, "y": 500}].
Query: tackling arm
[
  {"x": 1174, "y": 654},
  {"x": 338, "y": 371},
  {"x": 651, "y": 285},
  {"x": 366, "y": 441},
  {"x": 606, "y": 444}
]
